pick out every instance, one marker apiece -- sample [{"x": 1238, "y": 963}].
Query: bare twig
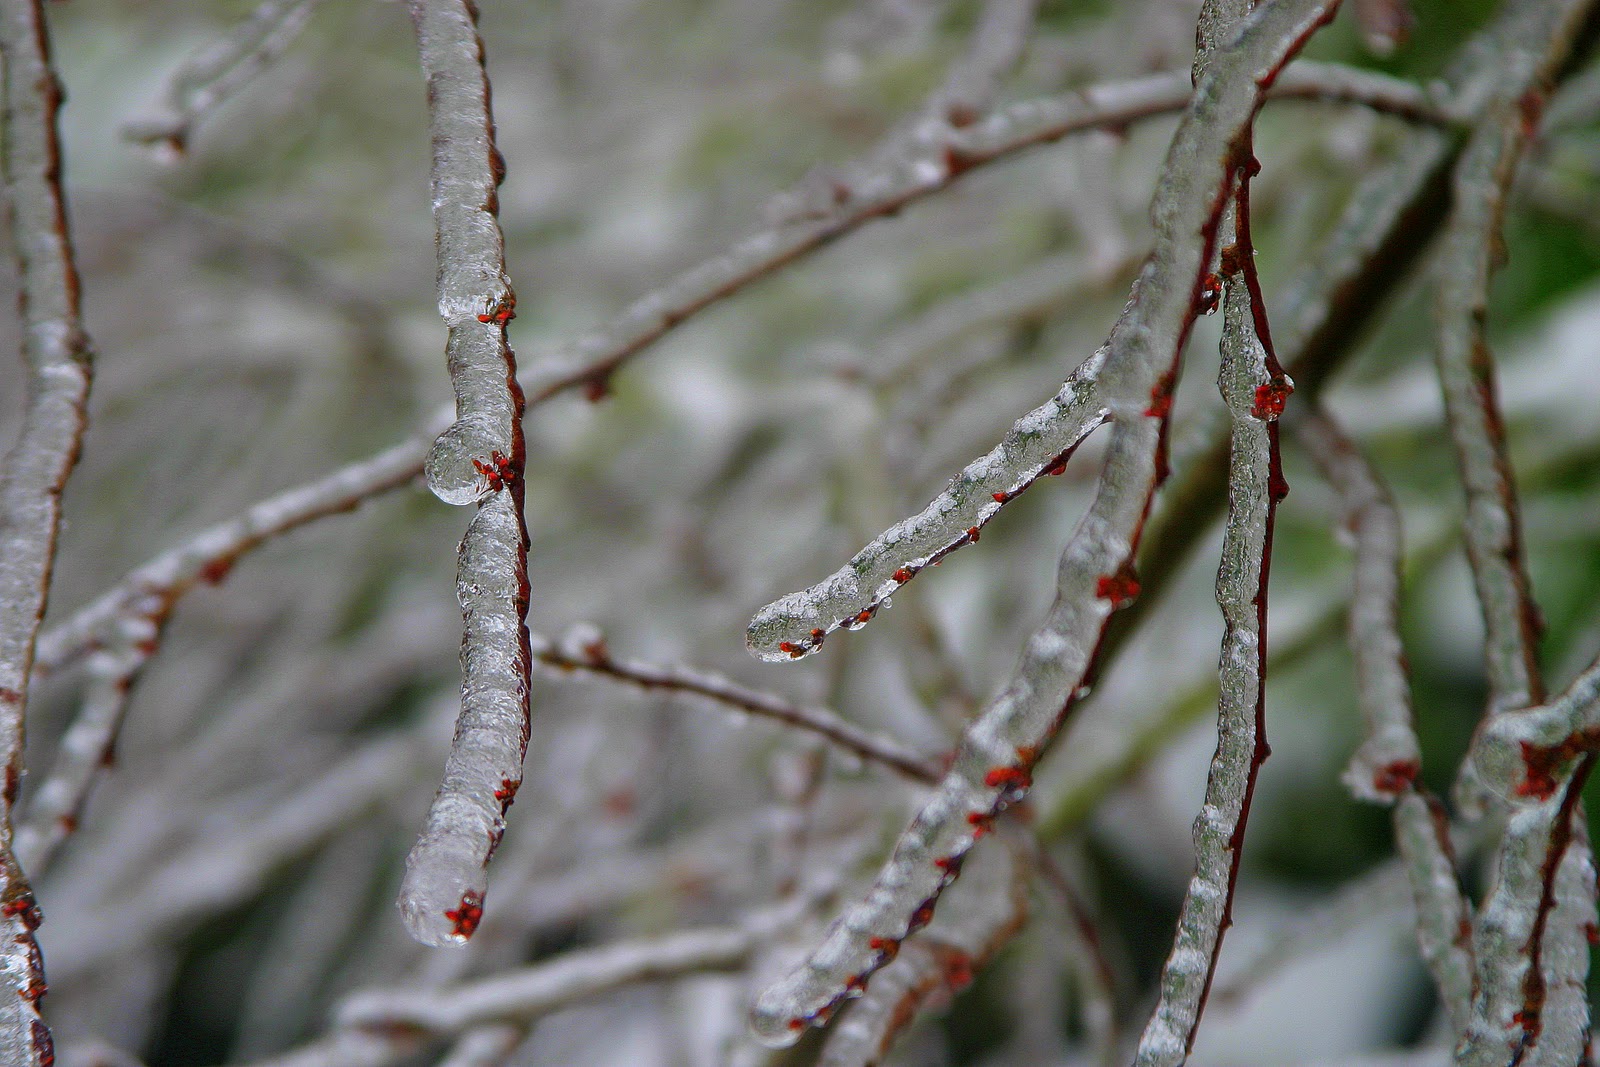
[
  {"x": 993, "y": 766},
  {"x": 209, "y": 79},
  {"x": 35, "y": 471},
  {"x": 594, "y": 658},
  {"x": 479, "y": 458}
]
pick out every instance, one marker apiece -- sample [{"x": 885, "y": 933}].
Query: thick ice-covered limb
[
  {"x": 1385, "y": 768},
  {"x": 518, "y": 996},
  {"x": 478, "y": 458},
  {"x": 34, "y": 473},
  {"x": 982, "y": 913},
  {"x": 595, "y": 659},
  {"x": 207, "y": 80},
  {"x": 992, "y": 767},
  {"x": 1531, "y": 938}
]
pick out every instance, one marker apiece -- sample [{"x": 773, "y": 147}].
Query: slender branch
[
  {"x": 478, "y": 458},
  {"x": 522, "y": 995},
  {"x": 1386, "y": 767},
  {"x": 217, "y": 871},
  {"x": 210, "y": 78},
  {"x": 1254, "y": 390},
  {"x": 594, "y": 658},
  {"x": 993, "y": 765},
  {"x": 34, "y": 473}
]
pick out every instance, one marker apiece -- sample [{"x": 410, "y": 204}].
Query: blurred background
[{"x": 263, "y": 309}]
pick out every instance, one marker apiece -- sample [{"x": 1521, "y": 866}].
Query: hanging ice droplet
[{"x": 459, "y": 463}]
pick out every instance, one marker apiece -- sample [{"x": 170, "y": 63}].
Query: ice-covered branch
[
  {"x": 34, "y": 473},
  {"x": 152, "y": 589},
  {"x": 1254, "y": 390},
  {"x": 54, "y": 808},
  {"x": 518, "y": 996},
  {"x": 478, "y": 458},
  {"x": 209, "y": 79},
  {"x": 593, "y": 657},
  {"x": 1385, "y": 768},
  {"x": 993, "y": 765},
  {"x": 1531, "y": 937},
  {"x": 982, "y": 913}
]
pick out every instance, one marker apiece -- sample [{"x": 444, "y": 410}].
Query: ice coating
[
  {"x": 462, "y": 461},
  {"x": 1039, "y": 443}
]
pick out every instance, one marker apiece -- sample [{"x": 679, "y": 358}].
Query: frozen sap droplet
[{"x": 460, "y": 456}]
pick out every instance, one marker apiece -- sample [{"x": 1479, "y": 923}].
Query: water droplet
[{"x": 453, "y": 466}]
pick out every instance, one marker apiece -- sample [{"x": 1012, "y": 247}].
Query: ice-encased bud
[{"x": 456, "y": 464}]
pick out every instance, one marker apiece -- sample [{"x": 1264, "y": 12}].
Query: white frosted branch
[
  {"x": 33, "y": 474},
  {"x": 993, "y": 765},
  {"x": 55, "y": 807},
  {"x": 982, "y": 913},
  {"x": 209, "y": 79},
  {"x": 478, "y": 458},
  {"x": 594, "y": 658},
  {"x": 525, "y": 994}
]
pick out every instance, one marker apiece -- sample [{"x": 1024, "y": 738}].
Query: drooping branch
[
  {"x": 209, "y": 79},
  {"x": 1386, "y": 768},
  {"x": 993, "y": 765},
  {"x": 34, "y": 473},
  {"x": 519, "y": 996},
  {"x": 478, "y": 458}
]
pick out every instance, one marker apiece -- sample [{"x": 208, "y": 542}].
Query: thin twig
[
  {"x": 522, "y": 995},
  {"x": 973, "y": 925},
  {"x": 595, "y": 658},
  {"x": 35, "y": 471}
]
